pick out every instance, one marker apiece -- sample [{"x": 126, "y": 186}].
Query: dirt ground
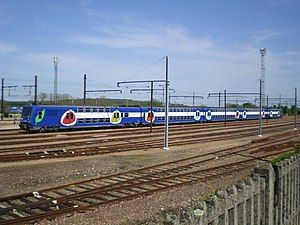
[{"x": 36, "y": 175}]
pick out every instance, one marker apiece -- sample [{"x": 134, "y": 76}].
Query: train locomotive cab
[{"x": 25, "y": 119}]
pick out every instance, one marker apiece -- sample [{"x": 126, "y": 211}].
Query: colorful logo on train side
[
  {"x": 40, "y": 116},
  {"x": 148, "y": 116},
  {"x": 208, "y": 115},
  {"x": 68, "y": 118},
  {"x": 116, "y": 117},
  {"x": 237, "y": 114},
  {"x": 197, "y": 115},
  {"x": 244, "y": 114},
  {"x": 271, "y": 114}
]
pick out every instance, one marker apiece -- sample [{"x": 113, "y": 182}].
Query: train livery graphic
[{"x": 43, "y": 117}]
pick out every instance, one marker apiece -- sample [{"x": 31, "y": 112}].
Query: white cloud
[
  {"x": 264, "y": 35},
  {"x": 7, "y": 48},
  {"x": 166, "y": 38}
]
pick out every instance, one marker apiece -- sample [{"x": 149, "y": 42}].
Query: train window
[
  {"x": 126, "y": 114},
  {"x": 101, "y": 110},
  {"x": 95, "y": 120},
  {"x": 80, "y": 121},
  {"x": 116, "y": 115},
  {"x": 87, "y": 109},
  {"x": 26, "y": 112},
  {"x": 107, "y": 120},
  {"x": 197, "y": 114},
  {"x": 87, "y": 120},
  {"x": 40, "y": 114},
  {"x": 80, "y": 109},
  {"x": 107, "y": 110},
  {"x": 101, "y": 120},
  {"x": 94, "y": 109}
]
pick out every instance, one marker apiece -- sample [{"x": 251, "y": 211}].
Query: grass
[{"x": 286, "y": 155}]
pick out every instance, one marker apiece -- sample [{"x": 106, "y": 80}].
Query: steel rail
[
  {"x": 173, "y": 179},
  {"x": 126, "y": 145}
]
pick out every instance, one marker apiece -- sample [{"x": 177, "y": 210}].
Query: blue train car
[
  {"x": 177, "y": 115},
  {"x": 40, "y": 118}
]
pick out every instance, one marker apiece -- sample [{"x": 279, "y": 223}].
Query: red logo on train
[
  {"x": 148, "y": 117},
  {"x": 237, "y": 114},
  {"x": 68, "y": 118}
]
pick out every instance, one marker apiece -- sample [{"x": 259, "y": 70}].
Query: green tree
[{"x": 248, "y": 105}]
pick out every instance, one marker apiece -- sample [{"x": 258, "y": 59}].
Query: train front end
[{"x": 25, "y": 120}]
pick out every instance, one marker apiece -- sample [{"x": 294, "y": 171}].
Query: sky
[{"x": 211, "y": 46}]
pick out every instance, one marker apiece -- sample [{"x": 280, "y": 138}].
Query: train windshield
[{"x": 26, "y": 112}]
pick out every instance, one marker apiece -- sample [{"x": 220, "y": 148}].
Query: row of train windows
[
  {"x": 117, "y": 115},
  {"x": 176, "y": 118},
  {"x": 93, "y": 109},
  {"x": 223, "y": 116},
  {"x": 93, "y": 120},
  {"x": 222, "y": 110},
  {"x": 175, "y": 110}
]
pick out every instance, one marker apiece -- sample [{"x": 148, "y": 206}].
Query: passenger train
[{"x": 43, "y": 117}]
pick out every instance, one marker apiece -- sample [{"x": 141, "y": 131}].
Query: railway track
[
  {"x": 110, "y": 143},
  {"x": 17, "y": 133},
  {"x": 49, "y": 203},
  {"x": 28, "y": 139}
]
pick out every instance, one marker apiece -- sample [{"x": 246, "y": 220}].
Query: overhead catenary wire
[{"x": 147, "y": 67}]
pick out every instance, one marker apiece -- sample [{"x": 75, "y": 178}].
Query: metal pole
[
  {"x": 151, "y": 107},
  {"x": 219, "y": 99},
  {"x": 2, "y": 100},
  {"x": 260, "y": 111},
  {"x": 279, "y": 104},
  {"x": 296, "y": 111},
  {"x": 55, "y": 79},
  {"x": 166, "y": 144},
  {"x": 163, "y": 94},
  {"x": 35, "y": 90},
  {"x": 268, "y": 107},
  {"x": 193, "y": 99},
  {"x": 84, "y": 88},
  {"x": 225, "y": 108}
]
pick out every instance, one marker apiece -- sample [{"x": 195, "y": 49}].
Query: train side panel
[{"x": 39, "y": 118}]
